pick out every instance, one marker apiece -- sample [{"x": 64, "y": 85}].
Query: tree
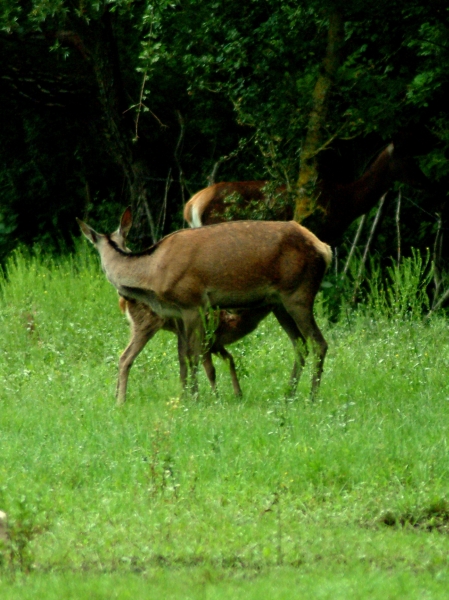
[
  {"x": 142, "y": 102},
  {"x": 306, "y": 192},
  {"x": 75, "y": 61}
]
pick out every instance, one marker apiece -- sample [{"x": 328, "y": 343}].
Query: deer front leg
[
  {"x": 194, "y": 335},
  {"x": 126, "y": 361},
  {"x": 144, "y": 325}
]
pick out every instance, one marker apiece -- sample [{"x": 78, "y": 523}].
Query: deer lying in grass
[
  {"x": 245, "y": 264},
  {"x": 145, "y": 323}
]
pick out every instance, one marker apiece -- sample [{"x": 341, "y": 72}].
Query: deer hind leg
[
  {"x": 194, "y": 340},
  {"x": 302, "y": 313},
  {"x": 209, "y": 368},
  {"x": 144, "y": 325},
  {"x": 225, "y": 355},
  {"x": 288, "y": 324}
]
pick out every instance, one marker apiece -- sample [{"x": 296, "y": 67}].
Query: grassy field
[{"x": 217, "y": 498}]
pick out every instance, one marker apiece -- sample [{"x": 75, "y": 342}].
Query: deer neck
[
  {"x": 363, "y": 194},
  {"x": 135, "y": 276},
  {"x": 121, "y": 268}
]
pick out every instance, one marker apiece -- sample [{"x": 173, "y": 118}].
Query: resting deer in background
[
  {"x": 246, "y": 264},
  {"x": 337, "y": 205}
]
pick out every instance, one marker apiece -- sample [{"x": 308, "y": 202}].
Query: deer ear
[
  {"x": 90, "y": 233},
  {"x": 126, "y": 223}
]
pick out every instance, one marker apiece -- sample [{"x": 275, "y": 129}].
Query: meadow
[{"x": 220, "y": 497}]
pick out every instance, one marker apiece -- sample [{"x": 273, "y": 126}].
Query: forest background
[{"x": 110, "y": 103}]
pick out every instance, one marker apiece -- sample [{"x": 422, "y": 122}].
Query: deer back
[
  {"x": 232, "y": 264},
  {"x": 237, "y": 200}
]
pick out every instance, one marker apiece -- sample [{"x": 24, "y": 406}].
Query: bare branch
[
  {"x": 354, "y": 244},
  {"x": 140, "y": 105},
  {"x": 438, "y": 304},
  {"x": 436, "y": 260},
  {"x": 223, "y": 159},
  {"x": 367, "y": 247},
  {"x": 213, "y": 173},
  {"x": 150, "y": 219},
  {"x": 398, "y": 225},
  {"x": 163, "y": 213},
  {"x": 331, "y": 139},
  {"x": 178, "y": 148}
]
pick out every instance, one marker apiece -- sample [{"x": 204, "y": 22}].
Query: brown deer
[
  {"x": 246, "y": 264},
  {"x": 337, "y": 205},
  {"x": 145, "y": 323}
]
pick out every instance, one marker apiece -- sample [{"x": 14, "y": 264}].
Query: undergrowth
[{"x": 357, "y": 481}]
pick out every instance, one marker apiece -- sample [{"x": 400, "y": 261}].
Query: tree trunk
[
  {"x": 97, "y": 43},
  {"x": 306, "y": 187}
]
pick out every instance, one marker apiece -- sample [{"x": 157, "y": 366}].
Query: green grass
[{"x": 168, "y": 497}]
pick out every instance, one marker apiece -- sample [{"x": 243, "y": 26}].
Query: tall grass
[
  {"x": 402, "y": 294},
  {"x": 344, "y": 498}
]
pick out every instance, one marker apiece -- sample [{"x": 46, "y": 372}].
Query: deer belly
[
  {"x": 150, "y": 298},
  {"x": 242, "y": 299}
]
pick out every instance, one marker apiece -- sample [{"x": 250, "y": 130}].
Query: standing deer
[
  {"x": 337, "y": 205},
  {"x": 246, "y": 264},
  {"x": 145, "y": 323}
]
